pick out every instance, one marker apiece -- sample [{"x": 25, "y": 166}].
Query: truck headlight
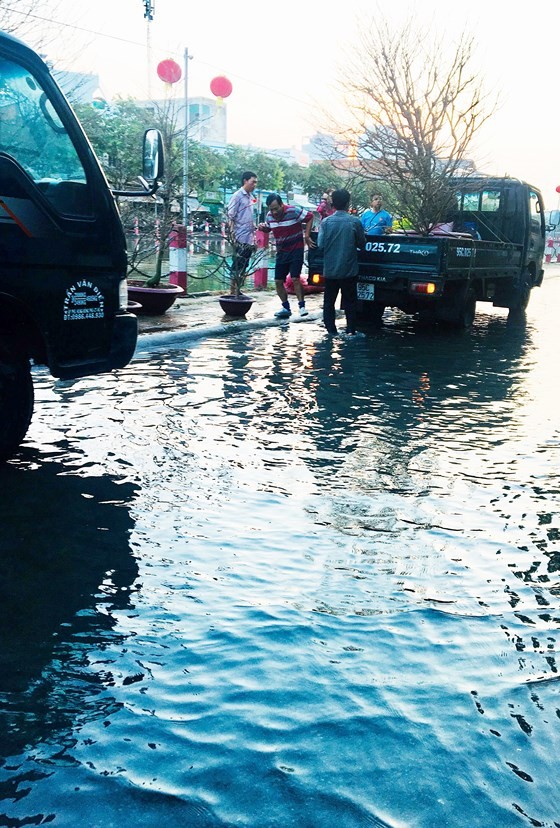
[{"x": 123, "y": 294}]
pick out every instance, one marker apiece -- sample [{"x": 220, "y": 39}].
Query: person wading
[{"x": 340, "y": 236}]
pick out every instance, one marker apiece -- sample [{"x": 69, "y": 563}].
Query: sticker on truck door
[{"x": 83, "y": 301}]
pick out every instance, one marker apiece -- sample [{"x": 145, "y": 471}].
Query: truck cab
[
  {"x": 63, "y": 261},
  {"x": 503, "y": 210}
]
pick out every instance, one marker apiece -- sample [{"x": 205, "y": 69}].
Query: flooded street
[{"x": 274, "y": 580}]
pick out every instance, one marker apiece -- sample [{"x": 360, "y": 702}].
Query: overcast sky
[{"x": 283, "y": 60}]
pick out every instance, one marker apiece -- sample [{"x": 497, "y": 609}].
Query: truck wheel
[
  {"x": 371, "y": 312},
  {"x": 522, "y": 295},
  {"x": 465, "y": 311},
  {"x": 16, "y": 401}
]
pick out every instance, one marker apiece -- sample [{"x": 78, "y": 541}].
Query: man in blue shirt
[{"x": 375, "y": 220}]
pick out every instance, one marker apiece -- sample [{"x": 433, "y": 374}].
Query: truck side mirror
[
  {"x": 153, "y": 166},
  {"x": 152, "y": 154}
]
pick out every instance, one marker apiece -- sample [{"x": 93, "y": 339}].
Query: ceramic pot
[
  {"x": 236, "y": 305},
  {"x": 153, "y": 300}
]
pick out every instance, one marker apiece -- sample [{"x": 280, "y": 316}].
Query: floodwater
[{"x": 278, "y": 580}]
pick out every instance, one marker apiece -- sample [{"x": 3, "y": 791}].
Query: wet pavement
[
  {"x": 194, "y": 317},
  {"x": 263, "y": 577}
]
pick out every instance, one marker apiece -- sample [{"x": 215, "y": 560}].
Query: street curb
[{"x": 163, "y": 339}]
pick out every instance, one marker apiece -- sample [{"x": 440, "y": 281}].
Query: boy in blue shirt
[{"x": 376, "y": 221}]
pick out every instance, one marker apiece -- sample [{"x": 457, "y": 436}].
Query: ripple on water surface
[{"x": 278, "y": 580}]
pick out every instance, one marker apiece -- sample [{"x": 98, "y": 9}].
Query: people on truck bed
[
  {"x": 325, "y": 207},
  {"x": 375, "y": 220}
]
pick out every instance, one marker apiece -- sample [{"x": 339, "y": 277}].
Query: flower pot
[
  {"x": 153, "y": 300},
  {"x": 236, "y": 305}
]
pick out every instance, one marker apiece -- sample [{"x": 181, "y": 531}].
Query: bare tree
[
  {"x": 30, "y": 20},
  {"x": 416, "y": 108}
]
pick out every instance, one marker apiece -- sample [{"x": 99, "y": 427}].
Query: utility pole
[
  {"x": 149, "y": 11},
  {"x": 186, "y": 140}
]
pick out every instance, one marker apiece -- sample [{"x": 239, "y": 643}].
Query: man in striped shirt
[{"x": 290, "y": 226}]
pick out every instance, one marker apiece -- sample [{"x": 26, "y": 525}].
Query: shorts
[{"x": 291, "y": 263}]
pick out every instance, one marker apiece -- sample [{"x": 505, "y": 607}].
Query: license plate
[{"x": 366, "y": 291}]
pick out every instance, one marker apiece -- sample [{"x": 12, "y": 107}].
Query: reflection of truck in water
[
  {"x": 489, "y": 250},
  {"x": 63, "y": 290}
]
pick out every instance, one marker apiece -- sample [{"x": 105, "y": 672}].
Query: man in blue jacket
[{"x": 340, "y": 236}]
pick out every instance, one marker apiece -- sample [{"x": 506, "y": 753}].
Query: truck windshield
[{"x": 32, "y": 133}]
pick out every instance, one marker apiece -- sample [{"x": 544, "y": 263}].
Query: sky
[{"x": 284, "y": 61}]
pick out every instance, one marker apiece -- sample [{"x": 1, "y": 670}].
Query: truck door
[
  {"x": 63, "y": 248},
  {"x": 536, "y": 235}
]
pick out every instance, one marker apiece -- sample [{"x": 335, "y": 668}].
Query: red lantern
[
  {"x": 169, "y": 71},
  {"x": 558, "y": 189},
  {"x": 221, "y": 87}
]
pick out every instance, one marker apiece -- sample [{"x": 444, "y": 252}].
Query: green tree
[
  {"x": 206, "y": 167},
  {"x": 116, "y": 132},
  {"x": 293, "y": 175},
  {"x": 273, "y": 173},
  {"x": 321, "y": 176}
]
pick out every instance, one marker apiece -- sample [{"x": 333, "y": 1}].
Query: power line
[{"x": 160, "y": 49}]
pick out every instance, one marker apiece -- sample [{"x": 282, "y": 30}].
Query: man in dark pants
[
  {"x": 340, "y": 236},
  {"x": 242, "y": 226}
]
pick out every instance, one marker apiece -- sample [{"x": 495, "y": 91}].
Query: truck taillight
[
  {"x": 123, "y": 294},
  {"x": 315, "y": 279},
  {"x": 422, "y": 287}
]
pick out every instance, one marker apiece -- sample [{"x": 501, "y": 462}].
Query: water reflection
[
  {"x": 349, "y": 568},
  {"x": 65, "y": 568}
]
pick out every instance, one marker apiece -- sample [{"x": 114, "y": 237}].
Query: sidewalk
[{"x": 196, "y": 317}]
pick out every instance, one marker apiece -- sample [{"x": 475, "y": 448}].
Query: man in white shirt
[{"x": 241, "y": 219}]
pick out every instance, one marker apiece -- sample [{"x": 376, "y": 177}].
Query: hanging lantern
[
  {"x": 221, "y": 87},
  {"x": 169, "y": 71}
]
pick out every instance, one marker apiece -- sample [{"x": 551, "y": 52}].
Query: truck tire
[
  {"x": 16, "y": 401},
  {"x": 521, "y": 296},
  {"x": 370, "y": 312},
  {"x": 464, "y": 311}
]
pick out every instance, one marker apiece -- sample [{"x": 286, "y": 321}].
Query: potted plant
[
  {"x": 146, "y": 287},
  {"x": 233, "y": 270},
  {"x": 150, "y": 228}
]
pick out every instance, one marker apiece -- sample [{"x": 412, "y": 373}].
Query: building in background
[
  {"x": 79, "y": 87},
  {"x": 207, "y": 119}
]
